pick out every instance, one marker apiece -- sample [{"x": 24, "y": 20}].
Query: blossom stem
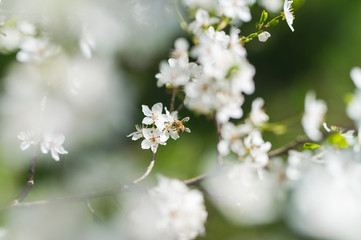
[
  {"x": 181, "y": 106},
  {"x": 172, "y": 101},
  {"x": 30, "y": 182},
  {"x": 147, "y": 172},
  {"x": 183, "y": 23},
  {"x": 219, "y": 138}
]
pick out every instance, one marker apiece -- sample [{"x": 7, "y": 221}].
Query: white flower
[
  {"x": 298, "y": 164},
  {"x": 181, "y": 50},
  {"x": 153, "y": 137},
  {"x": 258, "y": 148},
  {"x": 262, "y": 37},
  {"x": 236, "y": 9},
  {"x": 313, "y": 116},
  {"x": 245, "y": 197},
  {"x": 288, "y": 14},
  {"x": 36, "y": 50},
  {"x": 356, "y": 76},
  {"x": 136, "y": 135},
  {"x": 232, "y": 138},
  {"x": 257, "y": 115},
  {"x": 242, "y": 81},
  {"x": 182, "y": 211},
  {"x": 332, "y": 193},
  {"x": 228, "y": 105},
  {"x": 175, "y": 73},
  {"x": 27, "y": 139},
  {"x": 200, "y": 94},
  {"x": 154, "y": 116},
  {"x": 234, "y": 45},
  {"x": 53, "y": 143},
  {"x": 202, "y": 20}
]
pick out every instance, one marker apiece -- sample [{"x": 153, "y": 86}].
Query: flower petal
[
  {"x": 145, "y": 144},
  {"x": 157, "y": 108},
  {"x": 146, "y": 111}
]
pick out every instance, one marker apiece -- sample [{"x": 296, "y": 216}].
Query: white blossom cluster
[
  {"x": 245, "y": 140},
  {"x": 168, "y": 211},
  {"x": 160, "y": 127},
  {"x": 312, "y": 119},
  {"x": 216, "y": 81},
  {"x": 247, "y": 195},
  {"x": 48, "y": 142},
  {"x": 238, "y": 10},
  {"x": 30, "y": 44},
  {"x": 225, "y": 75},
  {"x": 325, "y": 197}
]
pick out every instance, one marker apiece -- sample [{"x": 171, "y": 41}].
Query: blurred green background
[{"x": 317, "y": 56}]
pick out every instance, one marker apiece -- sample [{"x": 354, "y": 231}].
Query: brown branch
[
  {"x": 147, "y": 172},
  {"x": 172, "y": 101},
  {"x": 87, "y": 196},
  {"x": 30, "y": 182},
  {"x": 197, "y": 180},
  {"x": 76, "y": 198},
  {"x": 219, "y": 138},
  {"x": 285, "y": 149},
  {"x": 180, "y": 107}
]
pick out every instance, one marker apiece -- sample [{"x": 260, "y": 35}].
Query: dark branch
[
  {"x": 219, "y": 138},
  {"x": 197, "y": 180},
  {"x": 85, "y": 197},
  {"x": 172, "y": 101},
  {"x": 180, "y": 107},
  {"x": 285, "y": 149},
  {"x": 30, "y": 182}
]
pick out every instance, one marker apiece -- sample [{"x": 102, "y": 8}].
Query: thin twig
[
  {"x": 147, "y": 172},
  {"x": 219, "y": 138},
  {"x": 30, "y": 182},
  {"x": 189, "y": 182},
  {"x": 172, "y": 101},
  {"x": 85, "y": 197},
  {"x": 96, "y": 218},
  {"x": 71, "y": 198},
  {"x": 81, "y": 197},
  {"x": 197, "y": 180},
  {"x": 285, "y": 149},
  {"x": 181, "y": 106}
]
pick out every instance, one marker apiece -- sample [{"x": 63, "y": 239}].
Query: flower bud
[{"x": 262, "y": 37}]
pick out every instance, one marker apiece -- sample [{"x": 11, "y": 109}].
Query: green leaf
[
  {"x": 252, "y": 35},
  {"x": 338, "y": 140},
  {"x": 263, "y": 18},
  {"x": 310, "y": 145},
  {"x": 273, "y": 23}
]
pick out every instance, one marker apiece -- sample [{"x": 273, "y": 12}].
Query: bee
[{"x": 178, "y": 126}]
